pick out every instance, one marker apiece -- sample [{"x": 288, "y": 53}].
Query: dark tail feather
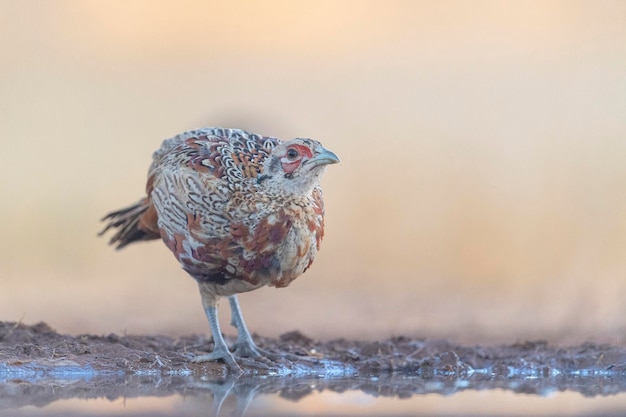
[{"x": 135, "y": 223}]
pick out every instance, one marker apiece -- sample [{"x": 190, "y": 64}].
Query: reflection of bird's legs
[
  {"x": 220, "y": 392},
  {"x": 220, "y": 351},
  {"x": 245, "y": 394}
]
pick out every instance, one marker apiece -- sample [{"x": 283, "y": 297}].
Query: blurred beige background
[{"x": 481, "y": 194}]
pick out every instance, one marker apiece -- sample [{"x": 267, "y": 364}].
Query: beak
[{"x": 324, "y": 157}]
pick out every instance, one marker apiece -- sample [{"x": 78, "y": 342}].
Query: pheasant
[{"x": 239, "y": 211}]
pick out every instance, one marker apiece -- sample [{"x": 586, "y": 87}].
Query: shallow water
[
  {"x": 92, "y": 394},
  {"x": 479, "y": 403}
]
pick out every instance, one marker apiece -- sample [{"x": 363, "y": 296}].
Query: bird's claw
[
  {"x": 227, "y": 357},
  {"x": 247, "y": 349}
]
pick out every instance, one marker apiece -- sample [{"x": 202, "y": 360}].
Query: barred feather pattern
[{"x": 231, "y": 207}]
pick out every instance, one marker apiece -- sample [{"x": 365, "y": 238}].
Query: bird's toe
[
  {"x": 226, "y": 357},
  {"x": 251, "y": 350}
]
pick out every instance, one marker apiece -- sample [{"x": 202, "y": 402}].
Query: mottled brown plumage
[{"x": 239, "y": 211}]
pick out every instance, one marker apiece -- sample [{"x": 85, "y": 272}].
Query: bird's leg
[
  {"x": 244, "y": 346},
  {"x": 220, "y": 351}
]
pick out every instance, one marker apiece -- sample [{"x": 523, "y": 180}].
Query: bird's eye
[{"x": 292, "y": 154}]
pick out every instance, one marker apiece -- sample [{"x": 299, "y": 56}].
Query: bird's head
[{"x": 295, "y": 166}]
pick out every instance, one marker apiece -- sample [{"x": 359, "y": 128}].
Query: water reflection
[{"x": 259, "y": 395}]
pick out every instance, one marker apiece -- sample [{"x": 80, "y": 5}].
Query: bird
[{"x": 238, "y": 210}]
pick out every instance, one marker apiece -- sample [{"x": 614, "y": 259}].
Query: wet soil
[{"x": 39, "y": 365}]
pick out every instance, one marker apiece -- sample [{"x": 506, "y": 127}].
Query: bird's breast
[
  {"x": 254, "y": 249},
  {"x": 281, "y": 246}
]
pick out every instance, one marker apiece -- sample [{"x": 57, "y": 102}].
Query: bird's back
[{"x": 229, "y": 155}]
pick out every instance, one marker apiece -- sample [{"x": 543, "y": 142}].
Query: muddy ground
[{"x": 39, "y": 365}]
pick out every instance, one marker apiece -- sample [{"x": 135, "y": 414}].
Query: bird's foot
[
  {"x": 248, "y": 349},
  {"x": 223, "y": 355}
]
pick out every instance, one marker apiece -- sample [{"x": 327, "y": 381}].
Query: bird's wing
[{"x": 197, "y": 184}]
